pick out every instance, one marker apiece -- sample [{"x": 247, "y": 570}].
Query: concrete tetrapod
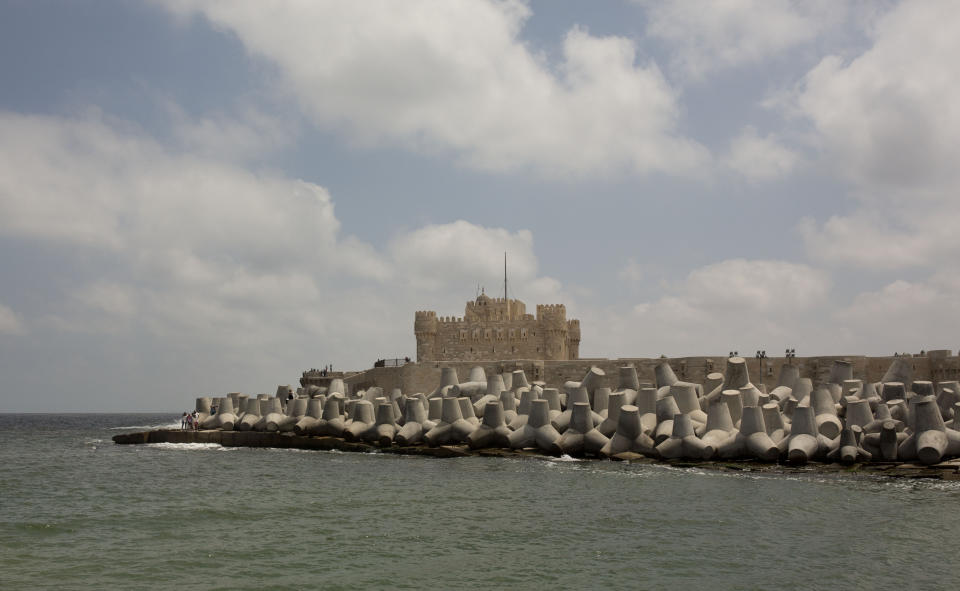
[
  {"x": 609, "y": 425},
  {"x": 363, "y": 419},
  {"x": 509, "y": 403},
  {"x": 893, "y": 391},
  {"x": 477, "y": 374},
  {"x": 272, "y": 418},
  {"x": 332, "y": 422},
  {"x": 466, "y": 411},
  {"x": 414, "y": 423},
  {"x": 825, "y": 410},
  {"x": 840, "y": 371},
  {"x": 519, "y": 380},
  {"x": 493, "y": 431},
  {"x": 495, "y": 385},
  {"x": 647, "y": 404},
  {"x": 601, "y": 401},
  {"x": 537, "y": 432},
  {"x": 452, "y": 428},
  {"x": 581, "y": 436},
  {"x": 931, "y": 441},
  {"x": 736, "y": 376},
  {"x": 552, "y": 396},
  {"x": 801, "y": 391},
  {"x": 663, "y": 375},
  {"x": 202, "y": 407},
  {"x": 805, "y": 442},
  {"x": 734, "y": 402},
  {"x": 947, "y": 398},
  {"x": 849, "y": 451},
  {"x": 666, "y": 409},
  {"x": 309, "y": 421},
  {"x": 523, "y": 409},
  {"x": 884, "y": 443},
  {"x": 562, "y": 421},
  {"x": 899, "y": 371},
  {"x": 777, "y": 429},
  {"x": 471, "y": 390},
  {"x": 751, "y": 441},
  {"x": 384, "y": 428},
  {"x": 296, "y": 410},
  {"x": 683, "y": 442},
  {"x": 224, "y": 418},
  {"x": 713, "y": 387},
  {"x": 719, "y": 426},
  {"x": 627, "y": 378},
  {"x": 881, "y": 416},
  {"x": 629, "y": 437},
  {"x": 858, "y": 413},
  {"x": 685, "y": 394},
  {"x": 251, "y": 415}
]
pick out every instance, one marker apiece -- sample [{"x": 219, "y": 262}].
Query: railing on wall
[{"x": 396, "y": 362}]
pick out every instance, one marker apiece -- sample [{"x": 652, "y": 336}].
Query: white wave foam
[
  {"x": 188, "y": 446},
  {"x": 566, "y": 458},
  {"x": 148, "y": 427}
]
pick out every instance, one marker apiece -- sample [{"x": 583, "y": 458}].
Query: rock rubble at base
[{"x": 896, "y": 424}]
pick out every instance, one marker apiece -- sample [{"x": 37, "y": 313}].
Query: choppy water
[{"x": 78, "y": 512}]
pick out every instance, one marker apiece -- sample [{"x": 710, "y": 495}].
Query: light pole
[{"x": 761, "y": 355}]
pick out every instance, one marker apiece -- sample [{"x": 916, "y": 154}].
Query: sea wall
[{"x": 423, "y": 377}]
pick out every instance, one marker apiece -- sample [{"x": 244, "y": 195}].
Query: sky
[{"x": 199, "y": 197}]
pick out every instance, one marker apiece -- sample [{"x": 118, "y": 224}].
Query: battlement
[{"x": 497, "y": 328}]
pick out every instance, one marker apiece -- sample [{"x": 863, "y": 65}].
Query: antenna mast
[{"x": 505, "y": 299}]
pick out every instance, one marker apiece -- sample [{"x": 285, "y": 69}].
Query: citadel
[{"x": 498, "y": 335}]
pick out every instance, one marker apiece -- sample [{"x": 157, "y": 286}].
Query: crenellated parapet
[{"x": 495, "y": 329}]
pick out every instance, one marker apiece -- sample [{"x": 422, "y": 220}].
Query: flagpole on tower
[{"x": 505, "y": 298}]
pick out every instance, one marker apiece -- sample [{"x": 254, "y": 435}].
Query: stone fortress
[
  {"x": 497, "y": 329},
  {"x": 498, "y": 335}
]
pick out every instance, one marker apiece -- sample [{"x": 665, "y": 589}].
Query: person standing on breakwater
[
  {"x": 183, "y": 421},
  {"x": 196, "y": 420}
]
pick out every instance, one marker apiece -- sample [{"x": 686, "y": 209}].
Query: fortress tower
[{"x": 496, "y": 329}]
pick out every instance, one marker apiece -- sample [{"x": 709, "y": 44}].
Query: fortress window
[
  {"x": 513, "y": 333},
  {"x": 463, "y": 335},
  {"x": 486, "y": 334},
  {"x": 523, "y": 333}
]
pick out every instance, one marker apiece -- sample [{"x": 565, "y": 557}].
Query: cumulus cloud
[
  {"x": 455, "y": 77},
  {"x": 196, "y": 250},
  {"x": 760, "y": 158},
  {"x": 887, "y": 122},
  {"x": 10, "y": 323},
  {"x": 727, "y": 305},
  {"x": 709, "y": 36},
  {"x": 919, "y": 314},
  {"x": 890, "y": 116},
  {"x": 462, "y": 252}
]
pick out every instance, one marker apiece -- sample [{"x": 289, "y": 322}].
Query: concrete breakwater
[{"x": 841, "y": 419}]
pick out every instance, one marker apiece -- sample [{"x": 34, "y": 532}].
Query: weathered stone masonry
[{"x": 494, "y": 329}]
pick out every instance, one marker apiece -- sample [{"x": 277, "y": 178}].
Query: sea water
[{"x": 79, "y": 512}]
